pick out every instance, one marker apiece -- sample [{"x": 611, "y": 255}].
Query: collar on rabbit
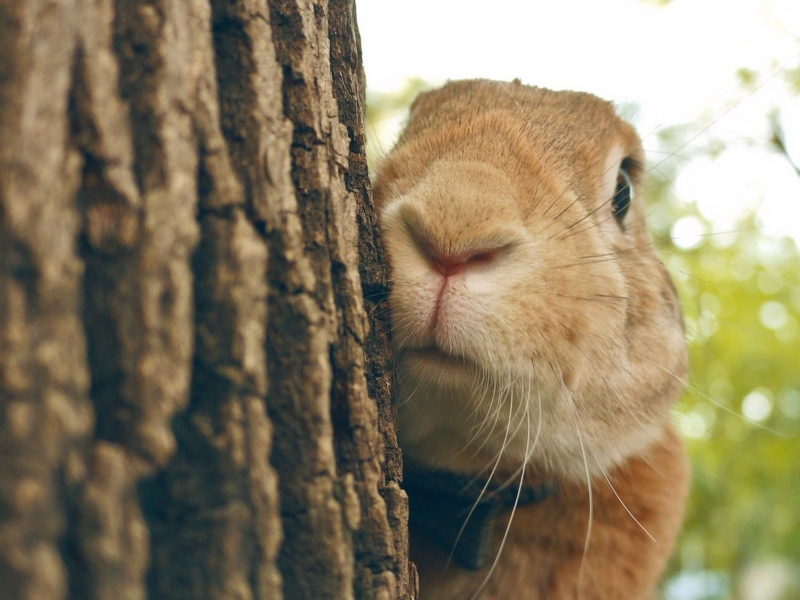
[{"x": 440, "y": 503}]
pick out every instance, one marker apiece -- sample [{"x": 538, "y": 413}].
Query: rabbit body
[{"x": 539, "y": 338}]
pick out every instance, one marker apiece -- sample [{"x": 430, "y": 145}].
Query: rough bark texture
[{"x": 187, "y": 410}]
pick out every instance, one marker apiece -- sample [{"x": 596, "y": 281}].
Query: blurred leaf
[
  {"x": 747, "y": 77},
  {"x": 386, "y": 113}
]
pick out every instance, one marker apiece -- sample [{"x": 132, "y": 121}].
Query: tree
[{"x": 193, "y": 401}]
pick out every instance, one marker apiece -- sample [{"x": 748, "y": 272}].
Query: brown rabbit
[{"x": 540, "y": 345}]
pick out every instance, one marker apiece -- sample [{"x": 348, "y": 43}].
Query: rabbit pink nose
[{"x": 452, "y": 264}]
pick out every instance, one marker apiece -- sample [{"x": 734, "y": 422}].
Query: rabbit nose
[{"x": 454, "y": 263}]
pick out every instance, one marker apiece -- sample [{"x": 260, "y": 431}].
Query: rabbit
[{"x": 539, "y": 344}]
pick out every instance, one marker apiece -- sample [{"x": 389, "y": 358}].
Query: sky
[{"x": 678, "y": 63}]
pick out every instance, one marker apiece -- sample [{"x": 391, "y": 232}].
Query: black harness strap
[{"x": 440, "y": 501}]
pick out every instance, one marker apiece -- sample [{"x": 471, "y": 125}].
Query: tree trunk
[{"x": 193, "y": 401}]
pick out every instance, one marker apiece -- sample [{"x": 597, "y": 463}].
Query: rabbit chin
[{"x": 456, "y": 416}]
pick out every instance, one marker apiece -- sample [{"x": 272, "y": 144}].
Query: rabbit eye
[{"x": 623, "y": 195}]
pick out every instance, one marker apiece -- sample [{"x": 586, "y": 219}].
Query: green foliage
[
  {"x": 740, "y": 413},
  {"x": 385, "y": 115},
  {"x": 747, "y": 77},
  {"x": 742, "y": 307}
]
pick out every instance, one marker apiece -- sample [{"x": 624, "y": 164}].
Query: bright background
[{"x": 712, "y": 87}]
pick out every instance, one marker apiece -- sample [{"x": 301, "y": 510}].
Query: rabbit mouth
[{"x": 435, "y": 355}]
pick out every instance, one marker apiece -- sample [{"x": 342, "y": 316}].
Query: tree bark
[{"x": 195, "y": 374}]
